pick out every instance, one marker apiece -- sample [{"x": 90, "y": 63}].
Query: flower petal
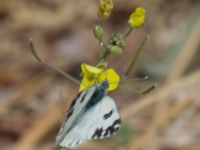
[
  {"x": 90, "y": 70},
  {"x": 112, "y": 77},
  {"x": 93, "y": 75},
  {"x": 85, "y": 84},
  {"x": 136, "y": 19}
]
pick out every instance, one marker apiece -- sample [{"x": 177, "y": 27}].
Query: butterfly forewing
[{"x": 74, "y": 111}]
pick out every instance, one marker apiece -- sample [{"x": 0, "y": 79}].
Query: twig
[
  {"x": 136, "y": 55},
  {"x": 50, "y": 66},
  {"x": 128, "y": 33},
  {"x": 141, "y": 91}
]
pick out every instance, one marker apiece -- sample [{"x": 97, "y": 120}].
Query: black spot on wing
[
  {"x": 74, "y": 101},
  {"x": 106, "y": 116},
  {"x": 100, "y": 133},
  {"x": 113, "y": 128},
  {"x": 71, "y": 107},
  {"x": 97, "y": 133},
  {"x": 70, "y": 110},
  {"x": 69, "y": 114},
  {"x": 83, "y": 98}
]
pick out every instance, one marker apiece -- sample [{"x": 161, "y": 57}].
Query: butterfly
[{"x": 92, "y": 115}]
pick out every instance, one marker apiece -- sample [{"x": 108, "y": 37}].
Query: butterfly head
[
  {"x": 104, "y": 84},
  {"x": 102, "y": 88}
]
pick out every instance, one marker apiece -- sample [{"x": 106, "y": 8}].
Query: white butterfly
[{"x": 92, "y": 115}]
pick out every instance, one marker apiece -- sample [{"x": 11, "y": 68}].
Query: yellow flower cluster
[
  {"x": 105, "y": 8},
  {"x": 93, "y": 75},
  {"x": 136, "y": 19}
]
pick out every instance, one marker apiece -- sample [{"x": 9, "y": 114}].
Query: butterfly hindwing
[
  {"x": 101, "y": 121},
  {"x": 109, "y": 121}
]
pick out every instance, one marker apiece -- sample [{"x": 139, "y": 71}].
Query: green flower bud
[
  {"x": 98, "y": 31},
  {"x": 117, "y": 40},
  {"x": 115, "y": 49},
  {"x": 136, "y": 19}
]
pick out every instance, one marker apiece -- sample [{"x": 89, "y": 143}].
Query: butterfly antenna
[{"x": 32, "y": 47}]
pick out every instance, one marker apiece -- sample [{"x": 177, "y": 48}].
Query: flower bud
[
  {"x": 105, "y": 8},
  {"x": 98, "y": 31},
  {"x": 116, "y": 50},
  {"x": 116, "y": 44},
  {"x": 136, "y": 19}
]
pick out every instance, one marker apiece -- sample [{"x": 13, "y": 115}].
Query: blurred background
[{"x": 34, "y": 98}]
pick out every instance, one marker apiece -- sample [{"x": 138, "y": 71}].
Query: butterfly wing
[
  {"x": 74, "y": 111},
  {"x": 100, "y": 121}
]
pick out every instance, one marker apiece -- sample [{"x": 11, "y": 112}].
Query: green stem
[
  {"x": 141, "y": 91},
  {"x": 104, "y": 56},
  {"x": 63, "y": 73},
  {"x": 102, "y": 22},
  {"x": 128, "y": 33},
  {"x": 136, "y": 55},
  {"x": 50, "y": 66},
  {"x": 102, "y": 49},
  {"x": 101, "y": 43}
]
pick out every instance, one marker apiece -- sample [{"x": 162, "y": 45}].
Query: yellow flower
[
  {"x": 112, "y": 77},
  {"x": 105, "y": 8},
  {"x": 136, "y": 19},
  {"x": 93, "y": 75}
]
